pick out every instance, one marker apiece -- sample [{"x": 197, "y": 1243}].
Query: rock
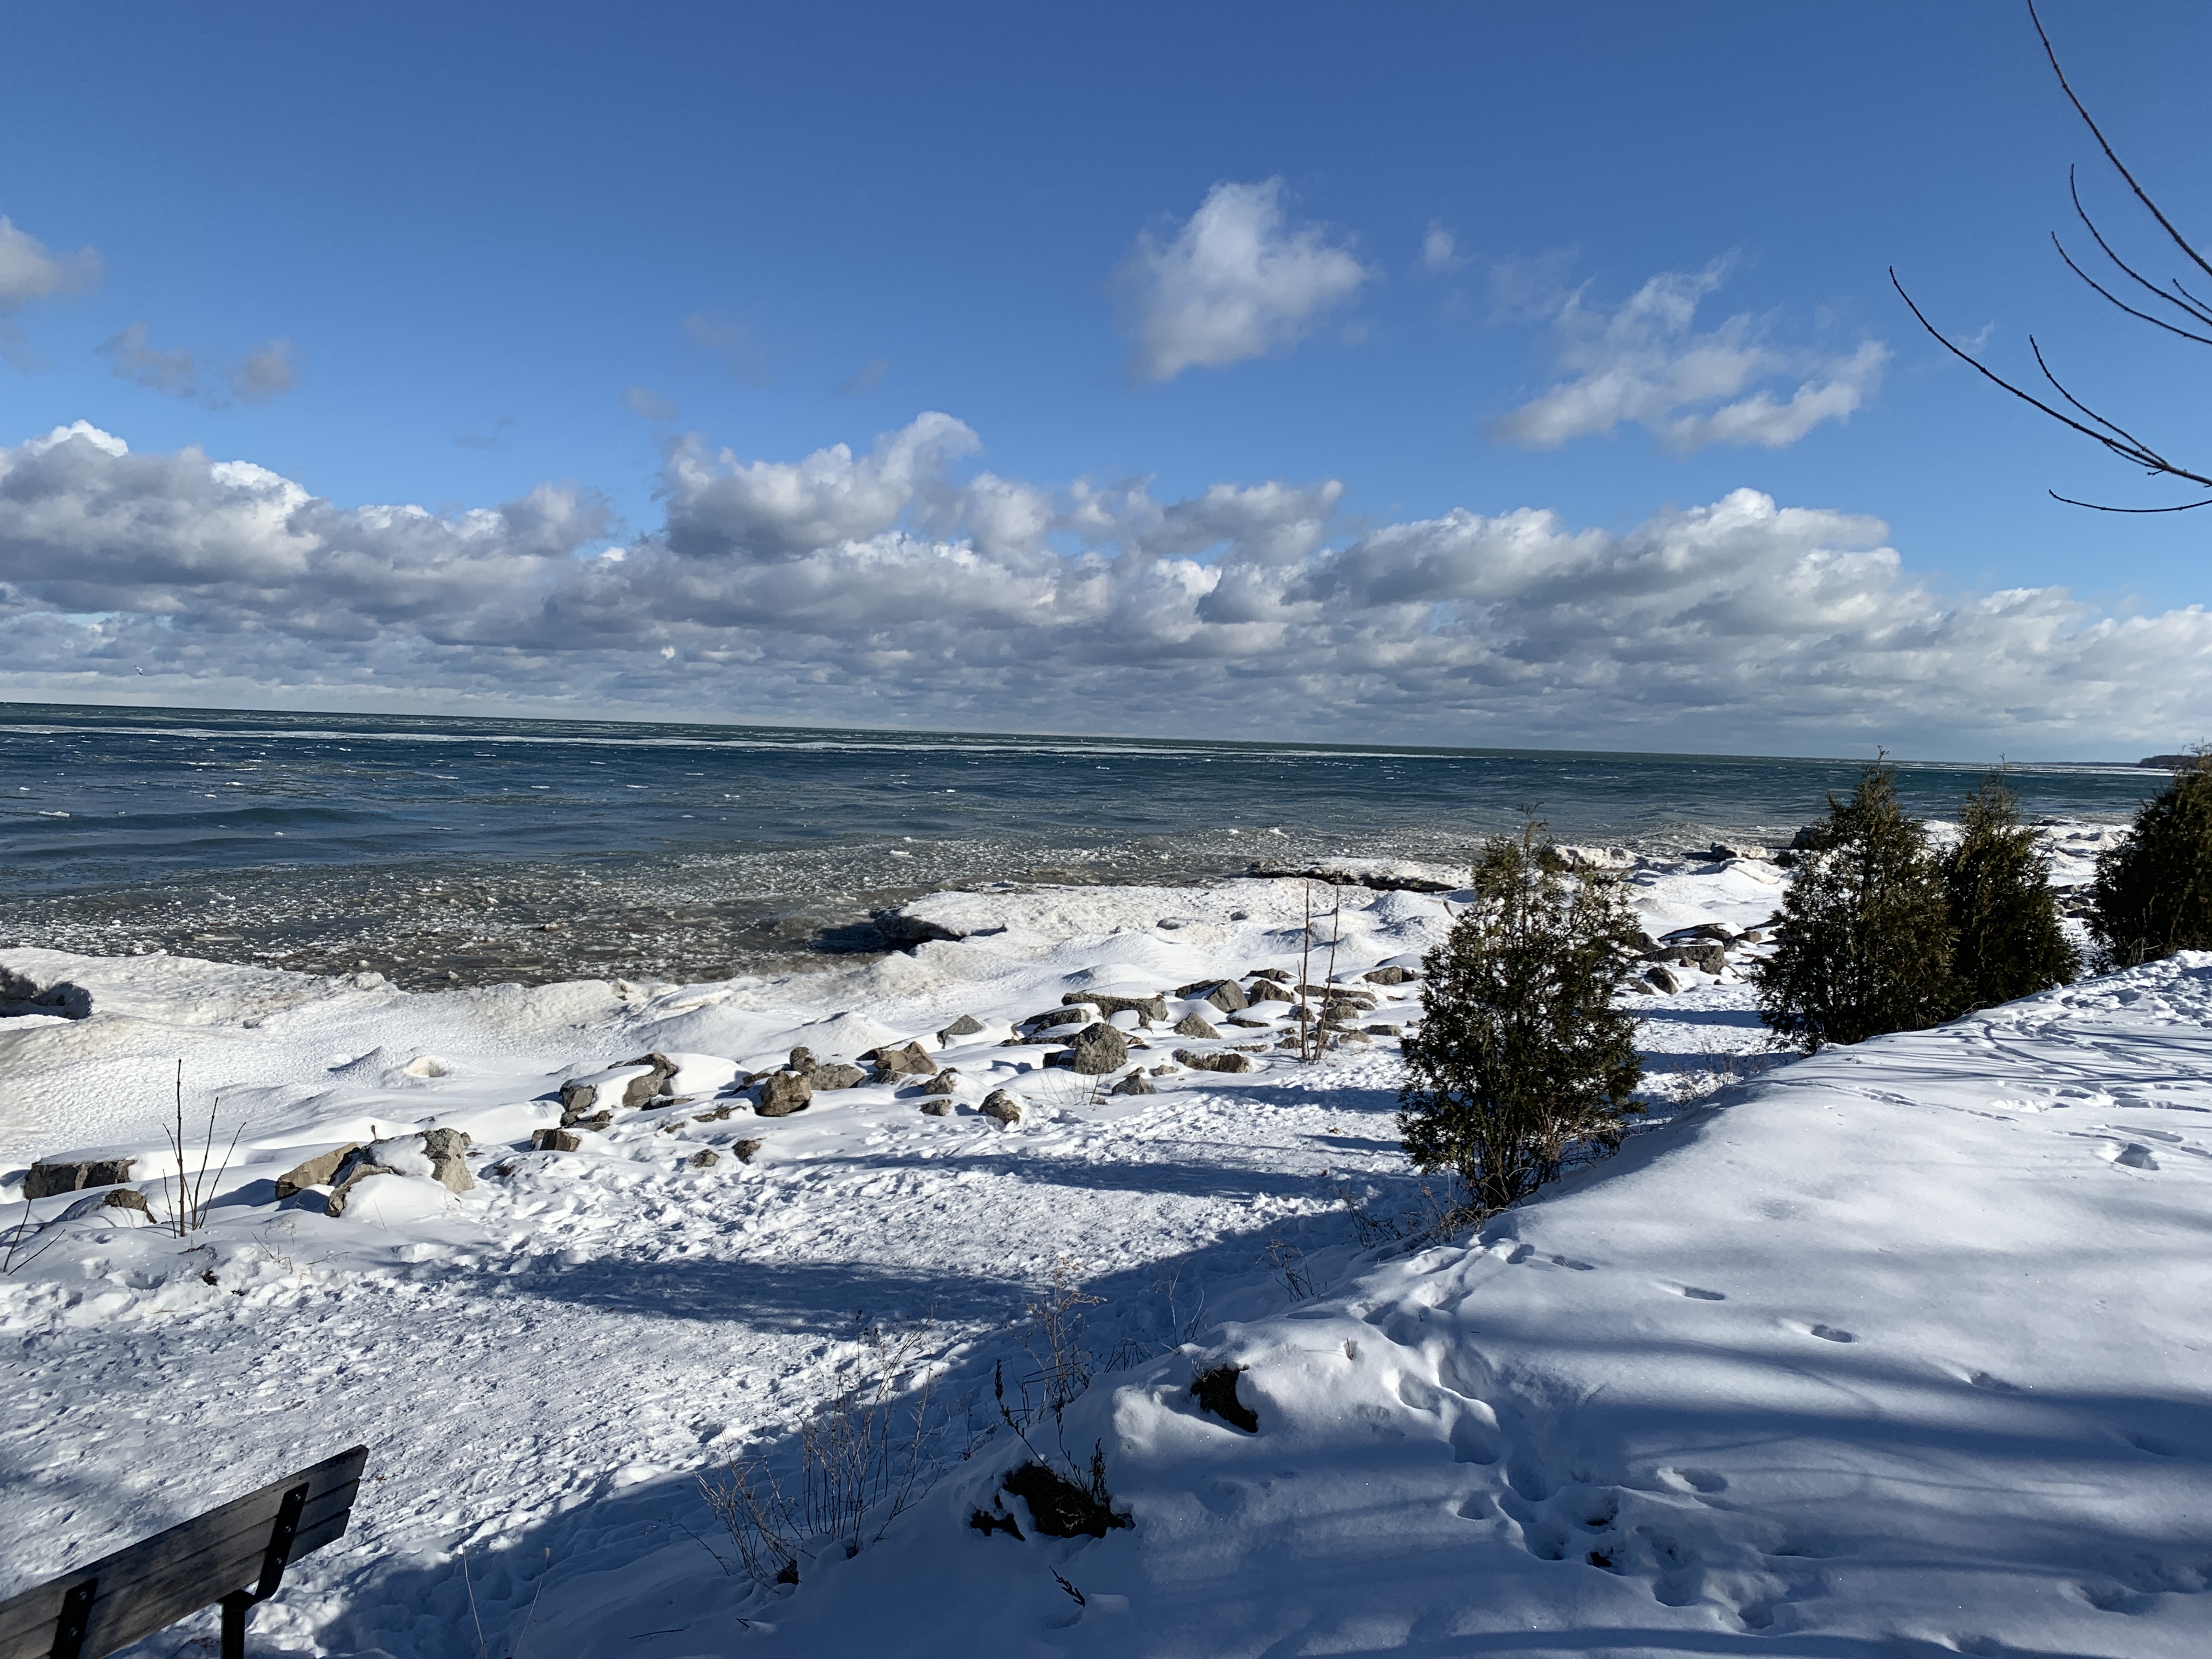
[
  {"x": 551, "y": 1140},
  {"x": 1226, "y": 994},
  {"x": 1812, "y": 838},
  {"x": 335, "y": 1204},
  {"x": 1279, "y": 975},
  {"x": 1221, "y": 1062},
  {"x": 1152, "y": 1007},
  {"x": 444, "y": 1147},
  {"x": 1385, "y": 1030},
  {"x": 1215, "y": 1390},
  {"x": 705, "y": 1159},
  {"x": 836, "y": 1075},
  {"x": 1164, "y": 1071},
  {"x": 314, "y": 1172},
  {"x": 744, "y": 1150},
  {"x": 1002, "y": 1106},
  {"x": 20, "y": 995},
  {"x": 1052, "y": 1019},
  {"x": 801, "y": 1060},
  {"x": 1660, "y": 980},
  {"x": 127, "y": 1198},
  {"x": 1135, "y": 1084},
  {"x": 1195, "y": 1025},
  {"x": 784, "y": 1093},
  {"x": 966, "y": 1026},
  {"x": 72, "y": 1175},
  {"x": 1267, "y": 990},
  {"x": 1098, "y": 1049},
  {"x": 942, "y": 1083},
  {"x": 1250, "y": 1024},
  {"x": 1706, "y": 958},
  {"x": 1391, "y": 975},
  {"x": 938, "y": 1106},
  {"x": 618, "y": 1085},
  {"x": 660, "y": 1068},
  {"x": 909, "y": 1060}
]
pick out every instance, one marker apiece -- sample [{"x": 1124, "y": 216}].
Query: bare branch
[
  {"x": 2119, "y": 167},
  {"x": 2098, "y": 507}
]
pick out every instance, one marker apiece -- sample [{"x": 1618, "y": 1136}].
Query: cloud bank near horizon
[{"x": 885, "y": 588}]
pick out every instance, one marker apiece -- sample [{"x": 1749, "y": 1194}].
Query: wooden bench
[{"x": 236, "y": 1555}]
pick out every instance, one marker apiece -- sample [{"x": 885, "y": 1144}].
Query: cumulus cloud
[
  {"x": 266, "y": 373},
  {"x": 1236, "y": 281},
  {"x": 1645, "y": 362},
  {"x": 883, "y": 587}
]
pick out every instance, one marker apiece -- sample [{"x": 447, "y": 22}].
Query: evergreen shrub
[
  {"x": 1521, "y": 1053},
  {"x": 1865, "y": 940},
  {"x": 2153, "y": 894},
  {"x": 2008, "y": 940}
]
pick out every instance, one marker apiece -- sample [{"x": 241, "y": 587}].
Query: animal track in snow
[
  {"x": 1993, "y": 1384},
  {"x": 1698, "y": 1293},
  {"x": 1831, "y": 1334}
]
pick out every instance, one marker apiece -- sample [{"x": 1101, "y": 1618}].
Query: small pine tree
[
  {"x": 1521, "y": 1052},
  {"x": 1864, "y": 943},
  {"x": 2153, "y": 894},
  {"x": 2008, "y": 940}
]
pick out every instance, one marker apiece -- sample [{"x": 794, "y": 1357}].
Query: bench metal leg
[{"x": 235, "y": 1607}]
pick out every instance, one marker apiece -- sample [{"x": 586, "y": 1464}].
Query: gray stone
[
  {"x": 126, "y": 1198},
  {"x": 1660, "y": 980},
  {"x": 359, "y": 1170},
  {"x": 553, "y": 1141},
  {"x": 639, "y": 1089},
  {"x": 444, "y": 1147},
  {"x": 1228, "y": 1061},
  {"x": 1053, "y": 1020},
  {"x": 784, "y": 1093},
  {"x": 1195, "y": 1025},
  {"x": 1391, "y": 975},
  {"x": 966, "y": 1026},
  {"x": 1152, "y": 1007},
  {"x": 744, "y": 1150},
  {"x": 1226, "y": 994},
  {"x": 1135, "y": 1084},
  {"x": 314, "y": 1172},
  {"x": 836, "y": 1075},
  {"x": 1385, "y": 1030},
  {"x": 910, "y": 1060},
  {"x": 1267, "y": 990},
  {"x": 49, "y": 1180},
  {"x": 937, "y": 1106},
  {"x": 802, "y": 1059},
  {"x": 942, "y": 1083},
  {"x": 705, "y": 1159},
  {"x": 1002, "y": 1106},
  {"x": 1099, "y": 1049},
  {"x": 1279, "y": 975}
]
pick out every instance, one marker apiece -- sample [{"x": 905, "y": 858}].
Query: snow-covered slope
[{"x": 1899, "y": 1350}]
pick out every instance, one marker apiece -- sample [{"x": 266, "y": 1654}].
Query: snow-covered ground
[{"x": 1899, "y": 1350}]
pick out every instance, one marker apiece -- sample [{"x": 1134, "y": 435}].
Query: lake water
[{"x": 444, "y": 850}]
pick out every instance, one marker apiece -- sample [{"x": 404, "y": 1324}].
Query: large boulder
[
  {"x": 1226, "y": 994},
  {"x": 836, "y": 1075},
  {"x": 448, "y": 1167},
  {"x": 1195, "y": 1024},
  {"x": 942, "y": 1083},
  {"x": 784, "y": 1093},
  {"x": 316, "y": 1171},
  {"x": 1267, "y": 990},
  {"x": 1002, "y": 1106},
  {"x": 1392, "y": 974},
  {"x": 1148, "y": 1007},
  {"x": 51, "y": 1177},
  {"x": 966, "y": 1026},
  {"x": 1098, "y": 1049},
  {"x": 554, "y": 1140},
  {"x": 599, "y": 1094},
  {"x": 1051, "y": 1019},
  {"x": 908, "y": 1060},
  {"x": 1135, "y": 1084},
  {"x": 1228, "y": 1060}
]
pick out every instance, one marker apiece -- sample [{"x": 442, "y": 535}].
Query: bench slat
[{"x": 159, "y": 1580}]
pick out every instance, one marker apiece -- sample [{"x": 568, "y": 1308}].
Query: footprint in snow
[
  {"x": 1697, "y": 1293},
  {"x": 1832, "y": 1333}
]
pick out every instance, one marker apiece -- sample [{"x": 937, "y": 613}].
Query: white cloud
[
  {"x": 818, "y": 590},
  {"x": 1440, "y": 250},
  {"x": 30, "y": 270},
  {"x": 268, "y": 372},
  {"x": 864, "y": 378},
  {"x": 1646, "y": 363},
  {"x": 1236, "y": 281}
]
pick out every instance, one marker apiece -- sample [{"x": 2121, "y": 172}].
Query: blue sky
[{"x": 511, "y": 247}]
